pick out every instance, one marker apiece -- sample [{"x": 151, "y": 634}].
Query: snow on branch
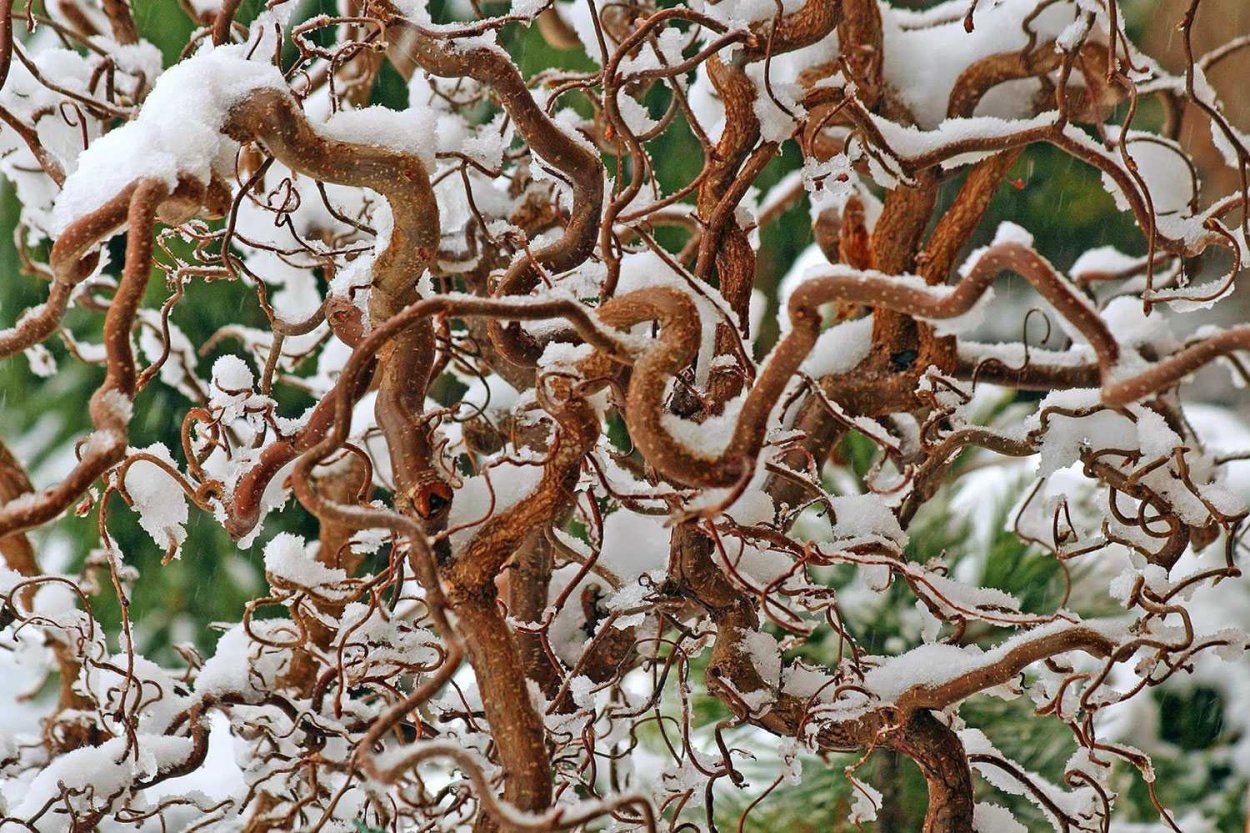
[{"x": 500, "y": 351}]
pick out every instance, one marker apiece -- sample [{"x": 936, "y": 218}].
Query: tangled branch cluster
[{"x": 557, "y": 480}]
